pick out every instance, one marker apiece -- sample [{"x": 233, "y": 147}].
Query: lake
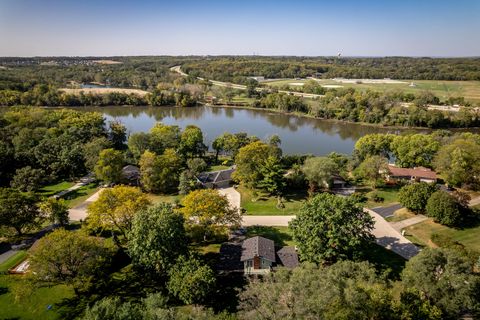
[{"x": 298, "y": 134}]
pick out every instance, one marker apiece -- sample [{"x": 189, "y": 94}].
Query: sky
[{"x": 229, "y": 27}]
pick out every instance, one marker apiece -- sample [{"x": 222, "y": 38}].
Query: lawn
[
  {"x": 52, "y": 189},
  {"x": 400, "y": 215},
  {"x": 13, "y": 261},
  {"x": 267, "y": 205},
  {"x": 78, "y": 196},
  {"x": 421, "y": 234},
  {"x": 443, "y": 89},
  {"x": 282, "y": 236},
  {"x": 169, "y": 198},
  {"x": 31, "y": 306},
  {"x": 388, "y": 193}
]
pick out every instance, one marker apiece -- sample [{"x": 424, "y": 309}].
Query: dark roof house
[
  {"x": 216, "y": 179},
  {"x": 131, "y": 174}
]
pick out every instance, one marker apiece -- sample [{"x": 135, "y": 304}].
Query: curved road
[{"x": 242, "y": 87}]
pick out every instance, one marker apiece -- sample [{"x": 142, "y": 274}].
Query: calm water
[{"x": 298, "y": 134}]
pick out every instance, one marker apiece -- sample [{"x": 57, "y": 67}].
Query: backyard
[{"x": 263, "y": 204}]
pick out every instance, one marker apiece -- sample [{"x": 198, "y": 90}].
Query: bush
[
  {"x": 415, "y": 196},
  {"x": 444, "y": 209}
]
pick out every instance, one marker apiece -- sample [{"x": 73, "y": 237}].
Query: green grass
[
  {"x": 443, "y": 89},
  {"x": 78, "y": 196},
  {"x": 421, "y": 234},
  {"x": 267, "y": 205},
  {"x": 282, "y": 236},
  {"x": 13, "y": 261},
  {"x": 169, "y": 198},
  {"x": 388, "y": 193},
  {"x": 52, "y": 189},
  {"x": 400, "y": 215},
  {"x": 218, "y": 167},
  {"x": 32, "y": 306}
]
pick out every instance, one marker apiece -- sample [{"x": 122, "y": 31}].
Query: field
[
  {"x": 52, "y": 189},
  {"x": 103, "y": 91},
  {"x": 443, "y": 89},
  {"x": 78, "y": 196},
  {"x": 421, "y": 234},
  {"x": 264, "y": 205}
]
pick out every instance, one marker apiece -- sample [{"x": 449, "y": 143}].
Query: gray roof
[
  {"x": 288, "y": 257},
  {"x": 258, "y": 246},
  {"x": 216, "y": 176}
]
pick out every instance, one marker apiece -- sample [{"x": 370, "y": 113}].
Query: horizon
[{"x": 370, "y": 28}]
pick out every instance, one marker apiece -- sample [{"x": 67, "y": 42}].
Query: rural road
[{"x": 242, "y": 87}]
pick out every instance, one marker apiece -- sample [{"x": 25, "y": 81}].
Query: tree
[
  {"x": 414, "y": 150},
  {"x": 414, "y": 196},
  {"x": 56, "y": 210},
  {"x": 28, "y": 179},
  {"x": 459, "y": 162},
  {"x": 191, "y": 142},
  {"x": 210, "y": 210},
  {"x": 319, "y": 171},
  {"x": 69, "y": 257},
  {"x": 157, "y": 238},
  {"x": 415, "y": 305},
  {"x": 112, "y": 308},
  {"x": 138, "y": 143},
  {"x": 250, "y": 159},
  {"x": 444, "y": 209},
  {"x": 117, "y": 134},
  {"x": 251, "y": 87},
  {"x": 273, "y": 176},
  {"x": 18, "y": 210},
  {"x": 344, "y": 290},
  {"x": 190, "y": 280},
  {"x": 159, "y": 174},
  {"x": 109, "y": 166},
  {"x": 373, "y": 145},
  {"x": 92, "y": 149},
  {"x": 164, "y": 137},
  {"x": 372, "y": 170},
  {"x": 115, "y": 208},
  {"x": 446, "y": 279},
  {"x": 329, "y": 228}
]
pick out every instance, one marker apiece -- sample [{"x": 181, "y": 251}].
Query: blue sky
[{"x": 295, "y": 27}]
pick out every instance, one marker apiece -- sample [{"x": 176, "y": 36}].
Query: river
[{"x": 299, "y": 135}]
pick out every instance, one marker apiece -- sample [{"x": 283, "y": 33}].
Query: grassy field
[
  {"x": 421, "y": 234},
  {"x": 52, "y": 189},
  {"x": 104, "y": 91},
  {"x": 389, "y": 195},
  {"x": 31, "y": 306},
  {"x": 78, "y": 196},
  {"x": 443, "y": 89},
  {"x": 267, "y": 205},
  {"x": 170, "y": 198},
  {"x": 400, "y": 215},
  {"x": 13, "y": 261}
]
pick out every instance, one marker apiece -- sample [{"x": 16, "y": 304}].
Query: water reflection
[{"x": 298, "y": 134}]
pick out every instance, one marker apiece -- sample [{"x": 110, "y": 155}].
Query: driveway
[
  {"x": 408, "y": 222},
  {"x": 80, "y": 212},
  {"x": 386, "y": 212},
  {"x": 232, "y": 195}
]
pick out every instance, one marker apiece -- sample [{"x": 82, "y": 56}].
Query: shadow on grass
[
  {"x": 278, "y": 236},
  {"x": 225, "y": 297},
  {"x": 81, "y": 192},
  {"x": 384, "y": 260}
]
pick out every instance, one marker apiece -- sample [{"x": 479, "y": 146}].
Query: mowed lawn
[
  {"x": 421, "y": 233},
  {"x": 264, "y": 205},
  {"x": 30, "y": 305},
  {"x": 443, "y": 89},
  {"x": 53, "y": 189}
]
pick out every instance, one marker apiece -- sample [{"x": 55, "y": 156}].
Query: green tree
[
  {"x": 138, "y": 143},
  {"x": 115, "y": 209},
  {"x": 273, "y": 180},
  {"x": 190, "y": 280},
  {"x": 112, "y": 308},
  {"x": 70, "y": 258},
  {"x": 344, "y": 290},
  {"x": 414, "y": 150},
  {"x": 446, "y": 278},
  {"x": 157, "y": 238},
  {"x": 249, "y": 161},
  {"x": 320, "y": 171},
  {"x": 28, "y": 179},
  {"x": 18, "y": 210},
  {"x": 414, "y": 196},
  {"x": 210, "y": 210},
  {"x": 159, "y": 173},
  {"x": 459, "y": 162},
  {"x": 164, "y": 137},
  {"x": 372, "y": 170},
  {"x": 328, "y": 228},
  {"x": 109, "y": 166},
  {"x": 415, "y": 305},
  {"x": 117, "y": 134},
  {"x": 373, "y": 145},
  {"x": 56, "y": 210},
  {"x": 191, "y": 142},
  {"x": 445, "y": 209},
  {"x": 92, "y": 149}
]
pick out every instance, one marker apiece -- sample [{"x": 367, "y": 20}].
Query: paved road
[
  {"x": 242, "y": 87},
  {"x": 82, "y": 182},
  {"x": 80, "y": 212},
  {"x": 6, "y": 255},
  {"x": 400, "y": 225},
  {"x": 388, "y": 211}
]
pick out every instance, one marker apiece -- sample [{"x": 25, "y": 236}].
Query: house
[
  {"x": 131, "y": 175},
  {"x": 259, "y": 256},
  {"x": 216, "y": 179},
  {"x": 418, "y": 174},
  {"x": 258, "y": 78},
  {"x": 338, "y": 182}
]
